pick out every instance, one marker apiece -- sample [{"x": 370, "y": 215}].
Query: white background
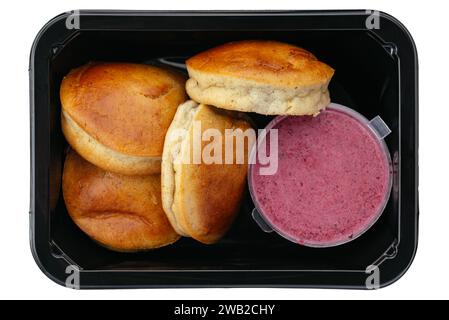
[{"x": 427, "y": 278}]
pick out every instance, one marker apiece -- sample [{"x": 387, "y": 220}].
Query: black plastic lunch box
[{"x": 376, "y": 74}]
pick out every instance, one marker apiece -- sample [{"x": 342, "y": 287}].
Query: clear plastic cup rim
[{"x": 378, "y": 132}]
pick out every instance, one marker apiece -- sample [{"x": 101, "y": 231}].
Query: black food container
[{"x": 376, "y": 74}]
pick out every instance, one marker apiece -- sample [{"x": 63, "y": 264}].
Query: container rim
[{"x": 54, "y": 34}]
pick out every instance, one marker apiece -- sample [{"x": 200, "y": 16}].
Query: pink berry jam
[{"x": 332, "y": 182}]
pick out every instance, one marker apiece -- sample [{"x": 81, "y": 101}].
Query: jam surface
[{"x": 331, "y": 182}]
